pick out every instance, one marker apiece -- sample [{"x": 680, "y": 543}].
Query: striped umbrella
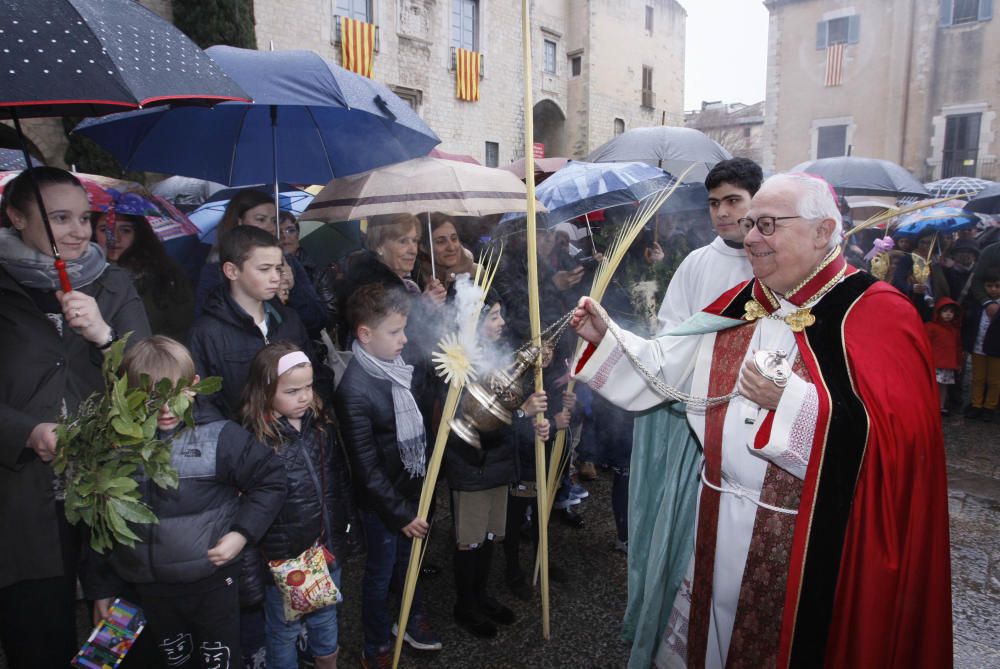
[
  {"x": 420, "y": 185},
  {"x": 955, "y": 186}
]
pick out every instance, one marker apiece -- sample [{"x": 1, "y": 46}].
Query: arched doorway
[{"x": 550, "y": 127}]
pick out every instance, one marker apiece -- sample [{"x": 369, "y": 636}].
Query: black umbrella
[
  {"x": 986, "y": 201},
  {"x": 851, "y": 175},
  {"x": 669, "y": 148},
  {"x": 94, "y": 57}
]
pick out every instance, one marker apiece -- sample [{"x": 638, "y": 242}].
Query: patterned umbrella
[
  {"x": 935, "y": 219},
  {"x": 12, "y": 159},
  {"x": 955, "y": 186},
  {"x": 98, "y": 197},
  {"x": 92, "y": 57}
]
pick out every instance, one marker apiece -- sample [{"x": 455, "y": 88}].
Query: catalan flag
[
  {"x": 357, "y": 45},
  {"x": 467, "y": 75},
  {"x": 834, "y": 65}
]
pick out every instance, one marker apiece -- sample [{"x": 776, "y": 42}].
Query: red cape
[{"x": 869, "y": 583}]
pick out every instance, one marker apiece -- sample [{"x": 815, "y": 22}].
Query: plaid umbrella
[{"x": 955, "y": 186}]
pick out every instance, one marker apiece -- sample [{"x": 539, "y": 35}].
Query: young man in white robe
[{"x": 664, "y": 477}]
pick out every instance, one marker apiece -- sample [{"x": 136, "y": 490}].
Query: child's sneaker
[
  {"x": 419, "y": 634},
  {"x": 382, "y": 659},
  {"x": 577, "y": 491}
]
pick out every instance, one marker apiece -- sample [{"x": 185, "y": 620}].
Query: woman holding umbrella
[
  {"x": 443, "y": 256},
  {"x": 51, "y": 349}
]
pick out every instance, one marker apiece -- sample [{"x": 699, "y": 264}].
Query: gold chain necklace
[{"x": 802, "y": 317}]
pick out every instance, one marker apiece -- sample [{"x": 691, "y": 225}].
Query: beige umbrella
[
  {"x": 543, "y": 167},
  {"x": 421, "y": 185}
]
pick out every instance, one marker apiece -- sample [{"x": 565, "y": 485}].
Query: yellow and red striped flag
[
  {"x": 834, "y": 65},
  {"x": 357, "y": 46},
  {"x": 467, "y": 75}
]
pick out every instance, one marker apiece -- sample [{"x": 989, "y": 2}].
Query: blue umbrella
[
  {"x": 208, "y": 216},
  {"x": 581, "y": 188},
  {"x": 311, "y": 121},
  {"x": 935, "y": 219}
]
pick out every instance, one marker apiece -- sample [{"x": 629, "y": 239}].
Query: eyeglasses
[
  {"x": 290, "y": 230},
  {"x": 764, "y": 224}
]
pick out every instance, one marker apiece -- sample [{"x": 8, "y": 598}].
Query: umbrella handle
[{"x": 64, "y": 282}]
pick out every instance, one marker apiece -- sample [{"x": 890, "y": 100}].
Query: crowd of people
[{"x": 292, "y": 454}]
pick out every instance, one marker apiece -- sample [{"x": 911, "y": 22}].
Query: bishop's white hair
[{"x": 816, "y": 201}]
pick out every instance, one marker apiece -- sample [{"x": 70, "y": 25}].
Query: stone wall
[{"x": 902, "y": 79}]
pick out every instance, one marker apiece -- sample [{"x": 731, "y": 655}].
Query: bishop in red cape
[{"x": 822, "y": 524}]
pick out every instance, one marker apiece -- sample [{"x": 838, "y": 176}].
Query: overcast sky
[{"x": 726, "y": 51}]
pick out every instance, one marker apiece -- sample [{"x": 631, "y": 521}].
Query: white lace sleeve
[{"x": 785, "y": 436}]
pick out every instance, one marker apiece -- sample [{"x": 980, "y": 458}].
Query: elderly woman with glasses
[
  {"x": 392, "y": 243},
  {"x": 817, "y": 413}
]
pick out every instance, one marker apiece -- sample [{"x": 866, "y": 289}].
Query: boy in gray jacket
[{"x": 184, "y": 569}]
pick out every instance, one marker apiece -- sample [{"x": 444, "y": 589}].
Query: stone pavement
[
  {"x": 973, "y": 450},
  {"x": 587, "y": 611}
]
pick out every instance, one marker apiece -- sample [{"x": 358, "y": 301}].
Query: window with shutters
[
  {"x": 465, "y": 24},
  {"x": 550, "y": 57},
  {"x": 959, "y": 12},
  {"x": 842, "y": 30},
  {"x": 961, "y": 145},
  {"x": 648, "y": 98},
  {"x": 831, "y": 141}
]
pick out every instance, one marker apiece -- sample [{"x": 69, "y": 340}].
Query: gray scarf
[
  {"x": 32, "y": 269},
  {"x": 410, "y": 435}
]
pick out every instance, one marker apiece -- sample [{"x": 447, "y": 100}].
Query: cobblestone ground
[
  {"x": 586, "y": 612},
  {"x": 974, "y": 504}
]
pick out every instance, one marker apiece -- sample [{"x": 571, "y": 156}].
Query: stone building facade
[
  {"x": 736, "y": 126},
  {"x": 599, "y": 66},
  {"x": 911, "y": 81}
]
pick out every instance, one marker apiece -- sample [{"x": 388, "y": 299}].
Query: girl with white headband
[{"x": 281, "y": 409}]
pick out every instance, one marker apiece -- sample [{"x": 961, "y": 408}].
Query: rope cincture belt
[{"x": 745, "y": 493}]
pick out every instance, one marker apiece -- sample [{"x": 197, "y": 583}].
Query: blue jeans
[
  {"x": 385, "y": 571},
  {"x": 282, "y": 635}
]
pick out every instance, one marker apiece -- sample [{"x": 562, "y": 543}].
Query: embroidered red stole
[
  {"x": 727, "y": 359},
  {"x": 759, "y": 612}
]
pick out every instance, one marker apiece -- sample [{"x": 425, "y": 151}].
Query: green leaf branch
[{"x": 108, "y": 450}]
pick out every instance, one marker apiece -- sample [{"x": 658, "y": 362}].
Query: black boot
[
  {"x": 496, "y": 611},
  {"x": 468, "y": 613}
]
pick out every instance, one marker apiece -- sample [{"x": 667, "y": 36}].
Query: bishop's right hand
[{"x": 587, "y": 321}]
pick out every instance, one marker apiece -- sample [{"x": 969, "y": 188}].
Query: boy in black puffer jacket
[
  {"x": 242, "y": 316},
  {"x": 385, "y": 440},
  {"x": 184, "y": 568}
]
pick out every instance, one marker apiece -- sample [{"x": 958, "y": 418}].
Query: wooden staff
[{"x": 541, "y": 482}]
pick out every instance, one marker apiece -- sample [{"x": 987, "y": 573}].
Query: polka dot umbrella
[{"x": 94, "y": 57}]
